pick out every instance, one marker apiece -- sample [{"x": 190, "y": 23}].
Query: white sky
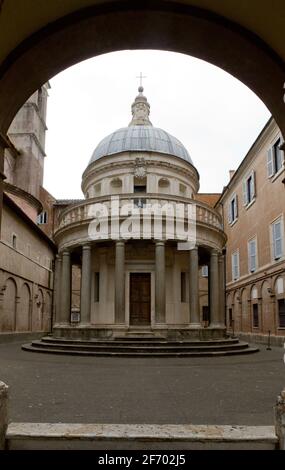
[{"x": 214, "y": 115}]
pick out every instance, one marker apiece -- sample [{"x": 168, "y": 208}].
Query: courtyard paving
[{"x": 231, "y": 390}]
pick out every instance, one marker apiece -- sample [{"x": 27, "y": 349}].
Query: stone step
[
  {"x": 113, "y": 346},
  {"x": 158, "y": 341},
  {"x": 56, "y": 436},
  {"x": 135, "y": 353}
]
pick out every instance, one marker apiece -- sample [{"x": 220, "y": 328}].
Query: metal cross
[{"x": 141, "y": 76}]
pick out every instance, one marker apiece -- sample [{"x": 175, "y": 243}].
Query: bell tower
[{"x": 27, "y": 134}]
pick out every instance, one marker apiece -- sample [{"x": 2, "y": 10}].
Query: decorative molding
[
  {"x": 21, "y": 193},
  {"x": 140, "y": 170}
]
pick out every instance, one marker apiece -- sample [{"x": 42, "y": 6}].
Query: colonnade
[{"x": 216, "y": 286}]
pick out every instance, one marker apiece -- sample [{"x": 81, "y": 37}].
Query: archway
[
  {"x": 24, "y": 311},
  {"x": 8, "y": 316},
  {"x": 149, "y": 25},
  {"x": 38, "y": 317}
]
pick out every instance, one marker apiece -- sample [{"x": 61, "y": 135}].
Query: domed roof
[{"x": 140, "y": 136}]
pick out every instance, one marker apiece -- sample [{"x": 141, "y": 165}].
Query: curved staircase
[{"x": 136, "y": 346}]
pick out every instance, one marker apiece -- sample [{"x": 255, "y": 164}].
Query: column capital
[
  {"x": 214, "y": 252},
  {"x": 65, "y": 253},
  {"x": 120, "y": 242},
  {"x": 86, "y": 246},
  {"x": 160, "y": 242}
]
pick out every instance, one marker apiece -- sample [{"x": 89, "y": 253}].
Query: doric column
[
  {"x": 194, "y": 288},
  {"x": 120, "y": 282},
  {"x": 85, "y": 293},
  {"x": 214, "y": 290},
  {"x": 64, "y": 316},
  {"x": 222, "y": 289},
  {"x": 57, "y": 288},
  {"x": 160, "y": 282}
]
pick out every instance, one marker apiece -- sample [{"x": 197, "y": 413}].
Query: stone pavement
[{"x": 233, "y": 390}]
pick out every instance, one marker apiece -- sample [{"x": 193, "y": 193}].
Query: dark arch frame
[{"x": 154, "y": 24}]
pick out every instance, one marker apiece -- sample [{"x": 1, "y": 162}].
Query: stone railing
[{"x": 84, "y": 210}]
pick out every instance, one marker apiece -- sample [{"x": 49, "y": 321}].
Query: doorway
[{"x": 140, "y": 298}]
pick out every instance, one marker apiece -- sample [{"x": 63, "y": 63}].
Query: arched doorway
[
  {"x": 8, "y": 316},
  {"x": 24, "y": 310},
  {"x": 39, "y": 308}
]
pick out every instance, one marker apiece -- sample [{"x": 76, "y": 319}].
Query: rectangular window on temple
[
  {"x": 183, "y": 287},
  {"x": 281, "y": 312},
  {"x": 255, "y": 315},
  {"x": 97, "y": 287}
]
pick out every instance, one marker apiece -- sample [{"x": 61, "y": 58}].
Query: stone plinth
[
  {"x": 280, "y": 419},
  {"x": 3, "y": 413}
]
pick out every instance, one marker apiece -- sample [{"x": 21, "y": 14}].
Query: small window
[
  {"x": 205, "y": 314},
  {"x": 97, "y": 189},
  {"x": 205, "y": 271},
  {"x": 281, "y": 312},
  {"x": 277, "y": 239},
  {"x": 42, "y": 218},
  {"x": 233, "y": 209},
  {"x": 97, "y": 287},
  {"x": 182, "y": 188},
  {"x": 252, "y": 255},
  {"x": 14, "y": 241},
  {"x": 163, "y": 183},
  {"x": 139, "y": 188},
  {"x": 116, "y": 183},
  {"x": 230, "y": 316},
  {"x": 249, "y": 189},
  {"x": 235, "y": 266},
  {"x": 183, "y": 287},
  {"x": 275, "y": 158},
  {"x": 255, "y": 316}
]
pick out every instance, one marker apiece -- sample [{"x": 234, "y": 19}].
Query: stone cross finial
[{"x": 141, "y": 76}]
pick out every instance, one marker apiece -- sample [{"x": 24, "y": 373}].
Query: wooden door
[{"x": 139, "y": 298}]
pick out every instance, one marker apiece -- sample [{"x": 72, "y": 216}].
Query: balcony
[{"x": 85, "y": 211}]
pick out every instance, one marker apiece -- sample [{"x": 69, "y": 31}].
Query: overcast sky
[{"x": 214, "y": 115}]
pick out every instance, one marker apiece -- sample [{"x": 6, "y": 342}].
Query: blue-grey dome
[{"x": 140, "y": 138}]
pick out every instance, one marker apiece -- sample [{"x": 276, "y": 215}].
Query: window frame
[
  {"x": 183, "y": 282},
  {"x": 255, "y": 315},
  {"x": 272, "y": 170},
  {"x": 253, "y": 239},
  {"x": 249, "y": 189},
  {"x": 233, "y": 209},
  {"x": 235, "y": 253},
  {"x": 283, "y": 314},
  {"x": 273, "y": 239}
]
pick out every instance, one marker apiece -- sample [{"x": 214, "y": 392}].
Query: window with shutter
[
  {"x": 252, "y": 255},
  {"x": 275, "y": 158},
  {"x": 235, "y": 266},
  {"x": 233, "y": 209},
  {"x": 244, "y": 191},
  {"x": 249, "y": 190},
  {"x": 270, "y": 169},
  {"x": 277, "y": 239}
]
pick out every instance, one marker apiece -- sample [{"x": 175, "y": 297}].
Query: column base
[
  {"x": 195, "y": 326},
  {"x": 217, "y": 326}
]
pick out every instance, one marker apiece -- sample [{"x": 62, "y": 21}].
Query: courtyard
[{"x": 227, "y": 390}]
